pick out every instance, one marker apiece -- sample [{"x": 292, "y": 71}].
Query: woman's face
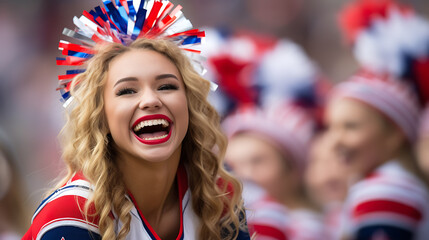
[
  {"x": 326, "y": 176},
  {"x": 361, "y": 135},
  {"x": 255, "y": 158},
  {"x": 145, "y": 106}
]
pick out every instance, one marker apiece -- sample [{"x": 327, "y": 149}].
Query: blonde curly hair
[{"x": 87, "y": 149}]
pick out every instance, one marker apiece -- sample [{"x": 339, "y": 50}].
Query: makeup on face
[
  {"x": 153, "y": 129},
  {"x": 145, "y": 105}
]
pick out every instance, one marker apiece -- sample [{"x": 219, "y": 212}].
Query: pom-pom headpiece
[
  {"x": 123, "y": 21},
  {"x": 390, "y": 39},
  {"x": 391, "y": 43}
]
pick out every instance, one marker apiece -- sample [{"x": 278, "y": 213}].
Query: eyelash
[
  {"x": 125, "y": 91},
  {"x": 164, "y": 87},
  {"x": 168, "y": 87}
]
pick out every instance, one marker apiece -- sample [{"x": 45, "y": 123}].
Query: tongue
[{"x": 152, "y": 135}]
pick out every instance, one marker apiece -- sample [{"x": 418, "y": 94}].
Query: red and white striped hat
[
  {"x": 287, "y": 124},
  {"x": 395, "y": 79},
  {"x": 392, "y": 98}
]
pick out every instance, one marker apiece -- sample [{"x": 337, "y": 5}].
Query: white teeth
[
  {"x": 156, "y": 138},
  {"x": 146, "y": 123}
]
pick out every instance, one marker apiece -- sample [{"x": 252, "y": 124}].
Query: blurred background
[{"x": 31, "y": 114}]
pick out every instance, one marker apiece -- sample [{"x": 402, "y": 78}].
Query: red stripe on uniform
[
  {"x": 268, "y": 231},
  {"x": 66, "y": 207},
  {"x": 377, "y": 206}
]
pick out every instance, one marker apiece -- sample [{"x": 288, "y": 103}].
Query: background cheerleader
[
  {"x": 268, "y": 90},
  {"x": 374, "y": 117}
]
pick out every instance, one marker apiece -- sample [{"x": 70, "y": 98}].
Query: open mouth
[{"x": 152, "y": 129}]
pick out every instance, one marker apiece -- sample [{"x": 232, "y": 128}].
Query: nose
[
  {"x": 336, "y": 139},
  {"x": 150, "y": 100}
]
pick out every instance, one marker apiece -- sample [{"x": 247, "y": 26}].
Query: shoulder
[
  {"x": 391, "y": 200},
  {"x": 268, "y": 218},
  {"x": 394, "y": 190},
  {"x": 62, "y": 214},
  {"x": 307, "y": 224}
]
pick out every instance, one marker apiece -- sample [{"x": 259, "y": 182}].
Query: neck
[
  {"x": 293, "y": 194},
  {"x": 151, "y": 184},
  {"x": 296, "y": 200},
  {"x": 407, "y": 159}
]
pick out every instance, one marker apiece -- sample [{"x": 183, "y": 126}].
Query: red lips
[{"x": 153, "y": 123}]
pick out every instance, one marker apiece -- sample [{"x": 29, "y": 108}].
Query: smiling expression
[
  {"x": 145, "y": 105},
  {"x": 363, "y": 137}
]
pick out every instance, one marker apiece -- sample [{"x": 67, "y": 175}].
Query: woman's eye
[
  {"x": 168, "y": 87},
  {"x": 125, "y": 91},
  {"x": 351, "y": 125}
]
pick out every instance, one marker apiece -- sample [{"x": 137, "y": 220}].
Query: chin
[{"x": 158, "y": 154}]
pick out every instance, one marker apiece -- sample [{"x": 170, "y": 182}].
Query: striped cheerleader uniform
[
  {"x": 271, "y": 220},
  {"x": 60, "y": 217},
  {"x": 389, "y": 204}
]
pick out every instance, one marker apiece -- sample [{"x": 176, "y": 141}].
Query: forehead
[
  {"x": 348, "y": 109},
  {"x": 250, "y": 143},
  {"x": 140, "y": 63}
]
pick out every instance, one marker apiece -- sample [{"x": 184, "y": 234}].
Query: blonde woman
[{"x": 143, "y": 149}]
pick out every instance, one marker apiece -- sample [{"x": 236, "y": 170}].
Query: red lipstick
[{"x": 153, "y": 129}]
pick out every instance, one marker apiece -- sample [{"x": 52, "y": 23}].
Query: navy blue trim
[
  {"x": 55, "y": 192},
  {"x": 146, "y": 227},
  {"x": 70, "y": 233},
  {"x": 390, "y": 232}
]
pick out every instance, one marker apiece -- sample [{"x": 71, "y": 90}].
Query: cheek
[
  {"x": 179, "y": 105},
  {"x": 363, "y": 138},
  {"x": 117, "y": 116},
  {"x": 271, "y": 171}
]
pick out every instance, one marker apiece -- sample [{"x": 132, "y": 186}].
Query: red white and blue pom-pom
[
  {"x": 390, "y": 39},
  {"x": 123, "y": 21}
]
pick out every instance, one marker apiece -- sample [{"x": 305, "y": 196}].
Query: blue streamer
[
  {"x": 65, "y": 95},
  {"x": 101, "y": 14},
  {"x": 140, "y": 19},
  {"x": 124, "y": 16},
  {"x": 116, "y": 17},
  {"x": 95, "y": 16},
  {"x": 191, "y": 40},
  {"x": 79, "y": 54},
  {"x": 131, "y": 9},
  {"x": 75, "y": 71}
]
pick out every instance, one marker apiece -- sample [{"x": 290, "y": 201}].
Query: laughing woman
[{"x": 143, "y": 148}]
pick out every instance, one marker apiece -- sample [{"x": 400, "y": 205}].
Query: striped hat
[
  {"x": 287, "y": 124},
  {"x": 395, "y": 75},
  {"x": 392, "y": 98}
]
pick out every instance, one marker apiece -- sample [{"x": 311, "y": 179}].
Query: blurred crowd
[{"x": 322, "y": 102}]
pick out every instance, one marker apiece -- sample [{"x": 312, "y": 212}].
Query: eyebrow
[
  {"x": 127, "y": 79},
  {"x": 168, "y": 75},
  {"x": 133, "y": 79}
]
